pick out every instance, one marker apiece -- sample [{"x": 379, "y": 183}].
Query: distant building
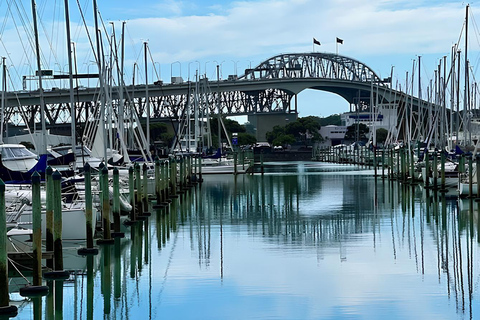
[
  {"x": 385, "y": 117},
  {"x": 332, "y": 135}
]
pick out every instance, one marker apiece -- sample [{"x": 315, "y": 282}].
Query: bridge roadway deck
[{"x": 347, "y": 89}]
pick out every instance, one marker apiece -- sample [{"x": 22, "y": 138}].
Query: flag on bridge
[
  {"x": 315, "y": 41},
  {"x": 339, "y": 40}
]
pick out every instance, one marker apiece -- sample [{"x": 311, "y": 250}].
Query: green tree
[
  {"x": 246, "y": 138},
  {"x": 276, "y": 132},
  {"x": 284, "y": 140},
  {"x": 355, "y": 128},
  {"x": 334, "y": 119}
]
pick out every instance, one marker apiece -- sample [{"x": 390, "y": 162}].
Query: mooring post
[
  {"x": 89, "y": 227},
  {"x": 200, "y": 178},
  {"x": 116, "y": 205},
  {"x": 383, "y": 163},
  {"x": 168, "y": 177},
  {"x": 107, "y": 237},
  {"x": 131, "y": 194},
  {"x": 88, "y": 205},
  {"x": 138, "y": 186},
  {"x": 36, "y": 290},
  {"x": 58, "y": 273},
  {"x": 37, "y": 230},
  {"x": 412, "y": 166},
  {"x": 470, "y": 176},
  {"x": 5, "y": 308},
  {"x": 49, "y": 214},
  {"x": 442, "y": 172},
  {"x": 435, "y": 170},
  {"x": 57, "y": 221},
  {"x": 235, "y": 156},
  {"x": 144, "y": 187},
  {"x": 427, "y": 169},
  {"x": 181, "y": 186},
  {"x": 173, "y": 177},
  {"x": 261, "y": 162},
  {"x": 157, "y": 181},
  {"x": 145, "y": 211},
  {"x": 163, "y": 182}
]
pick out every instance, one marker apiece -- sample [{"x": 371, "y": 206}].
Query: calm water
[{"x": 304, "y": 241}]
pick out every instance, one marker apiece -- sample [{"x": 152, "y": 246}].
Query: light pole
[
  {"x": 219, "y": 64},
  {"x": 235, "y": 65},
  {"x": 171, "y": 68},
  {"x": 189, "y": 69},
  {"x": 199, "y": 71},
  {"x": 205, "y": 69}
]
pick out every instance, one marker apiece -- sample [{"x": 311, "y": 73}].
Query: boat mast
[
  {"x": 43, "y": 147},
  {"x": 99, "y": 59},
  {"x": 70, "y": 75},
  {"x": 147, "y": 104},
  {"x": 4, "y": 89},
  {"x": 466, "y": 98}
]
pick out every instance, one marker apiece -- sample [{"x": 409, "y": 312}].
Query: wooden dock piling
[{"x": 5, "y": 308}]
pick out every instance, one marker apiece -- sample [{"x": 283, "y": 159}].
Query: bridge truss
[{"x": 268, "y": 88}]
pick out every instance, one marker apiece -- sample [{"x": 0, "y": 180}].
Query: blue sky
[{"x": 239, "y": 34}]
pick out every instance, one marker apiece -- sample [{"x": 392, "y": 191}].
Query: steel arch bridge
[{"x": 268, "y": 88}]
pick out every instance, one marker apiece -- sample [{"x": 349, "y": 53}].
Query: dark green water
[{"x": 304, "y": 241}]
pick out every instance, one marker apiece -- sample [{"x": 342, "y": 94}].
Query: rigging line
[
  {"x": 49, "y": 41},
  {"x": 153, "y": 62},
  {"x": 474, "y": 22},
  {"x": 23, "y": 22},
  {"x": 135, "y": 53},
  {"x": 86, "y": 29}
]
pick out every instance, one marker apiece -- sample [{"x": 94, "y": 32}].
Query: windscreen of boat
[
  {"x": 18, "y": 158},
  {"x": 17, "y": 153}
]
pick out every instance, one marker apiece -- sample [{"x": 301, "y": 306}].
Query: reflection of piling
[
  {"x": 106, "y": 285},
  {"x": 90, "y": 288},
  {"x": 105, "y": 198},
  {"x": 5, "y": 308},
  {"x": 117, "y": 271},
  {"x": 116, "y": 205},
  {"x": 87, "y": 170},
  {"x": 36, "y": 289}
]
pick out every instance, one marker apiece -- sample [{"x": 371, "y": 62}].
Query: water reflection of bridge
[{"x": 289, "y": 213}]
